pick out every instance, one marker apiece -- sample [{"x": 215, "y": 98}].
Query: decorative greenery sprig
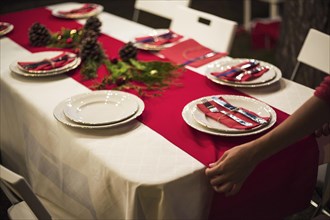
[
  {"x": 125, "y": 73},
  {"x": 139, "y": 75}
]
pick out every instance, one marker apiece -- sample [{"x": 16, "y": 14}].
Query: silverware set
[{"x": 214, "y": 109}]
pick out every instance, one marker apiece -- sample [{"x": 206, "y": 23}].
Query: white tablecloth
[{"x": 130, "y": 172}]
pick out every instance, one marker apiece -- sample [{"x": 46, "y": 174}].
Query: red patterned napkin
[
  {"x": 242, "y": 72},
  {"x": 160, "y": 39},
  {"x": 47, "y": 64},
  {"x": 188, "y": 50},
  {"x": 86, "y": 8},
  {"x": 225, "y": 120}
]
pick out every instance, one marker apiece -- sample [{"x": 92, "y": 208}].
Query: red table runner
[{"x": 279, "y": 186}]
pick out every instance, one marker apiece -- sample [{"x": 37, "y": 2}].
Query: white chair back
[
  {"x": 162, "y": 8},
  {"x": 209, "y": 30},
  {"x": 26, "y": 204},
  {"x": 323, "y": 182},
  {"x": 315, "y": 52}
]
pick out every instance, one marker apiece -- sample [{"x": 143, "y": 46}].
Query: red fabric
[
  {"x": 323, "y": 90},
  {"x": 47, "y": 63},
  {"x": 160, "y": 39},
  {"x": 189, "y": 49},
  {"x": 265, "y": 34},
  {"x": 221, "y": 118},
  {"x": 281, "y": 185}
]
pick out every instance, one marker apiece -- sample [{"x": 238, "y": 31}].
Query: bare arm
[{"x": 228, "y": 174}]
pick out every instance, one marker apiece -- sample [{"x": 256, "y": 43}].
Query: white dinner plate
[
  {"x": 271, "y": 76},
  {"x": 40, "y": 56},
  {"x": 151, "y": 47},
  {"x": 56, "y": 12},
  {"x": 61, "y": 117},
  {"x": 9, "y": 28},
  {"x": 101, "y": 107},
  {"x": 195, "y": 120}
]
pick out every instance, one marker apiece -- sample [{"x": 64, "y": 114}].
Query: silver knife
[
  {"x": 213, "y": 109},
  {"x": 208, "y": 55},
  {"x": 239, "y": 110}
]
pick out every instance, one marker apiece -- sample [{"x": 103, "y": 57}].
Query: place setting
[
  {"x": 5, "y": 28},
  {"x": 78, "y": 11},
  {"x": 48, "y": 63},
  {"x": 189, "y": 52},
  {"x": 229, "y": 115},
  {"x": 157, "y": 40},
  {"x": 99, "y": 109},
  {"x": 242, "y": 72}
]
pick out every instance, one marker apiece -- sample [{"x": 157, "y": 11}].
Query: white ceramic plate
[
  {"x": 193, "y": 119},
  {"x": 37, "y": 57},
  {"x": 56, "y": 12},
  {"x": 9, "y": 28},
  {"x": 151, "y": 47},
  {"x": 60, "y": 116},
  {"x": 271, "y": 76},
  {"x": 40, "y": 56},
  {"x": 101, "y": 107}
]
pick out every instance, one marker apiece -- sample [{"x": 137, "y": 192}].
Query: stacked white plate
[
  {"x": 99, "y": 109},
  {"x": 67, "y": 8},
  {"x": 151, "y": 46},
  {"x": 271, "y": 76},
  {"x": 36, "y": 57},
  {"x": 7, "y": 28},
  {"x": 199, "y": 121}
]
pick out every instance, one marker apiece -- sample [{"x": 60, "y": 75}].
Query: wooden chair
[
  {"x": 315, "y": 52},
  {"x": 209, "y": 30},
  {"x": 162, "y": 8},
  {"x": 25, "y": 204}
]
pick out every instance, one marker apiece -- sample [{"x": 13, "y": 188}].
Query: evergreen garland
[{"x": 125, "y": 73}]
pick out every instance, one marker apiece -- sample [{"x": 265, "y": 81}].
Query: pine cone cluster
[
  {"x": 129, "y": 51},
  {"x": 88, "y": 34},
  {"x": 94, "y": 24},
  {"x": 39, "y": 35},
  {"x": 90, "y": 49}
]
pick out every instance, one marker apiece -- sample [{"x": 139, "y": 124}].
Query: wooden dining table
[{"x": 152, "y": 167}]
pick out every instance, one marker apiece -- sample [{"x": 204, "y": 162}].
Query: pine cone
[
  {"x": 90, "y": 49},
  {"x": 39, "y": 35},
  {"x": 94, "y": 24},
  {"x": 88, "y": 34},
  {"x": 129, "y": 51}
]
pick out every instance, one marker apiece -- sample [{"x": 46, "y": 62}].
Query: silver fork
[
  {"x": 249, "y": 72},
  {"x": 214, "y": 109}
]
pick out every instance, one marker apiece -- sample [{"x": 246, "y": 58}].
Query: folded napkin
[
  {"x": 160, "y": 39},
  {"x": 189, "y": 50},
  {"x": 242, "y": 72},
  {"x": 3, "y": 26},
  {"x": 47, "y": 64},
  {"x": 86, "y": 8},
  {"x": 225, "y": 120}
]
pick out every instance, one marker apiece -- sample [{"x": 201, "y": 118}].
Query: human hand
[
  {"x": 228, "y": 174},
  {"x": 324, "y": 130}
]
